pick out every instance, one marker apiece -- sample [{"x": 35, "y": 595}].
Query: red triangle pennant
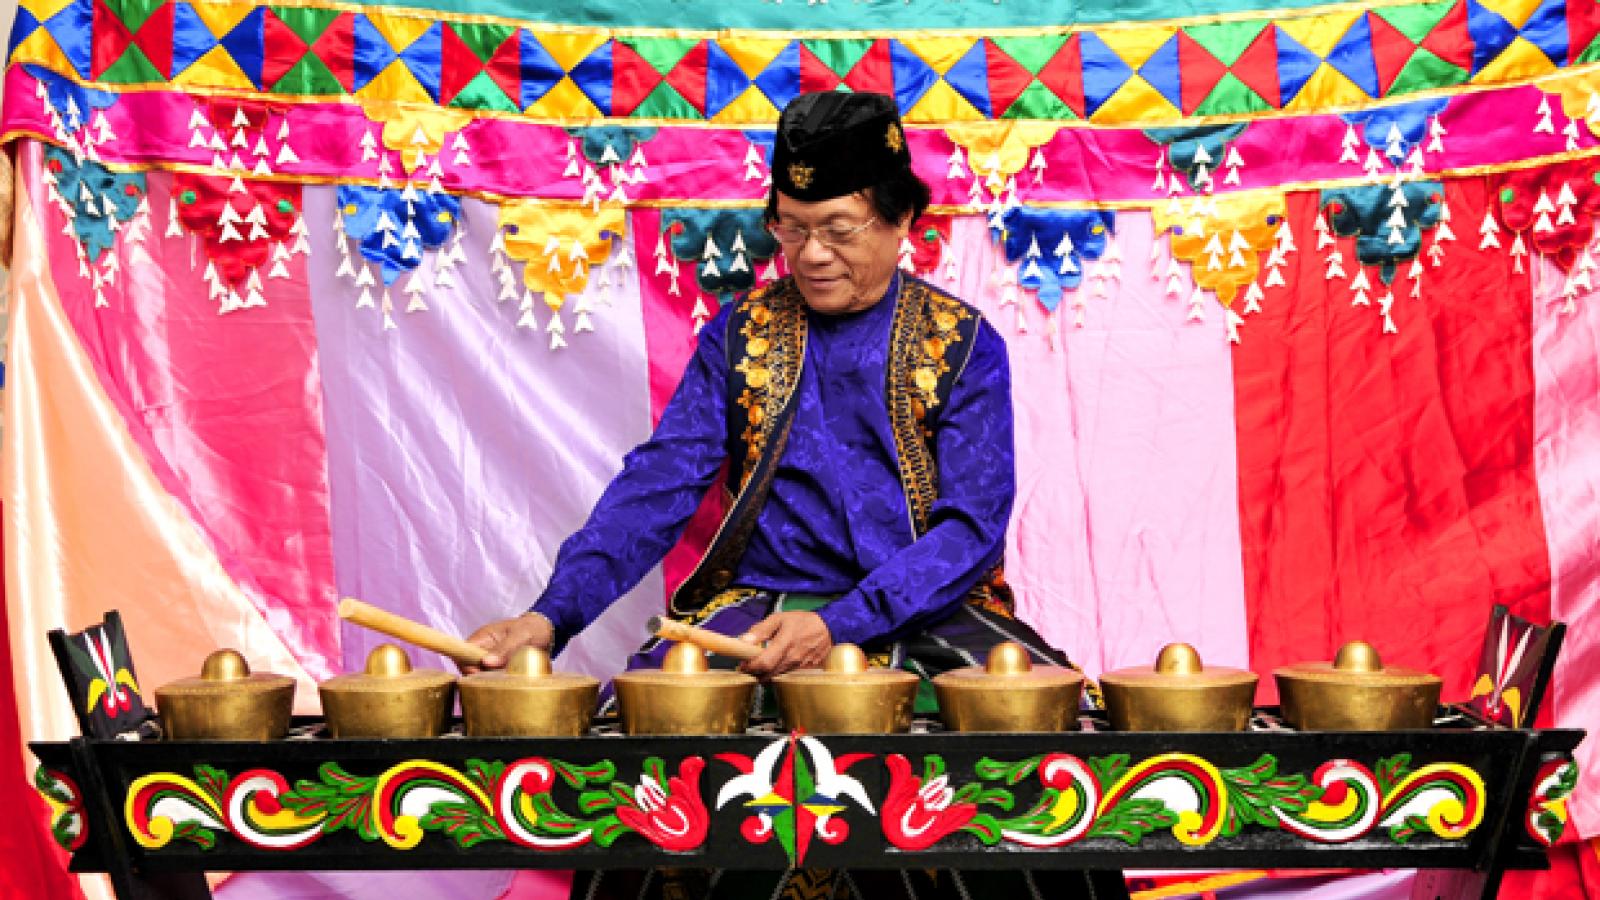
[
  {"x": 1007, "y": 79},
  {"x": 1257, "y": 66},
  {"x": 155, "y": 39},
  {"x": 283, "y": 49},
  {"x": 111, "y": 39},
  {"x": 688, "y": 76},
  {"x": 505, "y": 67},
  {"x": 1199, "y": 72},
  {"x": 1449, "y": 40},
  {"x": 458, "y": 65},
  {"x": 336, "y": 48},
  {"x": 1391, "y": 50},
  {"x": 633, "y": 78},
  {"x": 1063, "y": 75},
  {"x": 815, "y": 74},
  {"x": 874, "y": 71},
  {"x": 1583, "y": 23}
]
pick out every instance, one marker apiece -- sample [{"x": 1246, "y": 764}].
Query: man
[{"x": 865, "y": 422}]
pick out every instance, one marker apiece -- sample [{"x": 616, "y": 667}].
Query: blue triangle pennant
[
  {"x": 1491, "y": 34},
  {"x": 1296, "y": 65},
  {"x": 970, "y": 77},
  {"x": 540, "y": 71},
  {"x": 1160, "y": 71},
  {"x": 23, "y": 26},
  {"x": 780, "y": 80},
  {"x": 73, "y": 29},
  {"x": 1103, "y": 71},
  {"x": 913, "y": 77},
  {"x": 725, "y": 81},
  {"x": 246, "y": 43},
  {"x": 424, "y": 58},
  {"x": 1547, "y": 30},
  {"x": 191, "y": 38},
  {"x": 593, "y": 76},
  {"x": 372, "y": 54},
  {"x": 1353, "y": 58}
]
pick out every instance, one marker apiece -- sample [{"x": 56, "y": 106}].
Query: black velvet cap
[{"x": 830, "y": 144}]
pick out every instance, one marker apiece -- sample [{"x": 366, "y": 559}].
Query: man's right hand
[{"x": 506, "y": 635}]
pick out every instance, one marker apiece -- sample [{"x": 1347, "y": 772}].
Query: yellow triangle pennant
[
  {"x": 1136, "y": 101},
  {"x": 1320, "y": 34},
  {"x": 564, "y": 101},
  {"x": 1520, "y": 59},
  {"x": 1135, "y": 45},
  {"x": 750, "y": 108},
  {"x": 753, "y": 54},
  {"x": 216, "y": 70},
  {"x": 568, "y": 48},
  {"x": 397, "y": 83},
  {"x": 1327, "y": 88}
]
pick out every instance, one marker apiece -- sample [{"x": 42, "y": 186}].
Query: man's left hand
[{"x": 795, "y": 640}]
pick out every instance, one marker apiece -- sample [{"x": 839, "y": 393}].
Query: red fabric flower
[{"x": 1552, "y": 207}]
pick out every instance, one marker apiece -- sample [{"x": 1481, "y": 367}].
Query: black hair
[{"x": 892, "y": 198}]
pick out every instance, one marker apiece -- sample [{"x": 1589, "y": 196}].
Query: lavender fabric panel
[
  {"x": 1125, "y": 534},
  {"x": 835, "y": 521},
  {"x": 462, "y": 450}
]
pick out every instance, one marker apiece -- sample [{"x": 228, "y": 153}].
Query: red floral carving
[
  {"x": 916, "y": 815},
  {"x": 672, "y": 819}
]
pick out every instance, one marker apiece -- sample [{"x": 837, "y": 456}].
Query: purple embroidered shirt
[{"x": 836, "y": 520}]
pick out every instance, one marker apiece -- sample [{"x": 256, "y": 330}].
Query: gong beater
[
  {"x": 1356, "y": 692},
  {"x": 527, "y": 699},
  {"x": 387, "y": 700},
  {"x": 684, "y": 696},
  {"x": 1178, "y": 693},
  {"x": 227, "y": 702},
  {"x": 1008, "y": 693},
  {"x": 846, "y": 696}
]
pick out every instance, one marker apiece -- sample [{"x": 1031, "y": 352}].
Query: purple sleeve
[
  {"x": 967, "y": 528},
  {"x": 645, "y": 507}
]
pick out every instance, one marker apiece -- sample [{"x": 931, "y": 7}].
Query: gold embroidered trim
[
  {"x": 774, "y": 333},
  {"x": 927, "y": 336}
]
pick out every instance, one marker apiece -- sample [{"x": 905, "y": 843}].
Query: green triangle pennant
[
  {"x": 666, "y": 103},
  {"x": 307, "y": 22},
  {"x": 133, "y": 13},
  {"x": 1589, "y": 55},
  {"x": 1425, "y": 70},
  {"x": 310, "y": 76},
  {"x": 483, "y": 93},
  {"x": 1227, "y": 41},
  {"x": 839, "y": 54},
  {"x": 1038, "y": 102},
  {"x": 133, "y": 67},
  {"x": 1415, "y": 22},
  {"x": 1032, "y": 53},
  {"x": 663, "y": 53},
  {"x": 483, "y": 39},
  {"x": 1231, "y": 96}
]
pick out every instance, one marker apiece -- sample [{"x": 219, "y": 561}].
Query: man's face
[{"x": 838, "y": 274}]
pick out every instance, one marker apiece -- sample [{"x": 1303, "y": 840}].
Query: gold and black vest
[{"x": 930, "y": 341}]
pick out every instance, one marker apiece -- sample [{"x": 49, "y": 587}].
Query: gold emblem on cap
[
  {"x": 895, "y": 139},
  {"x": 801, "y": 174}
]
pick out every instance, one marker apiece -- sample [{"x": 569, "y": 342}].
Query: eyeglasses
[{"x": 830, "y": 236}]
